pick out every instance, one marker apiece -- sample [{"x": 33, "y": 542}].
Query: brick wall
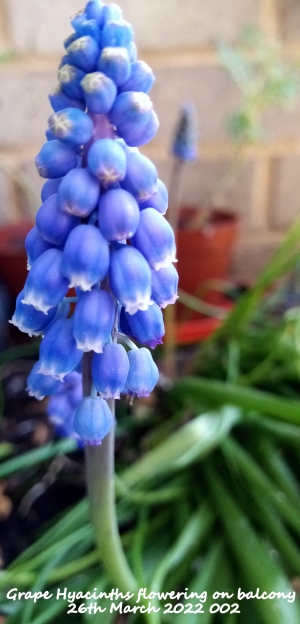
[{"x": 178, "y": 40}]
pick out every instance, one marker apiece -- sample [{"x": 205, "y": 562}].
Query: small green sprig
[{"x": 265, "y": 80}]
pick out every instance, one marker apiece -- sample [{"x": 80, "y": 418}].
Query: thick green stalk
[
  {"x": 100, "y": 470},
  {"x": 100, "y": 478}
]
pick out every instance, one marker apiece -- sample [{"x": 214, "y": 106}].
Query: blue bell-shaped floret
[
  {"x": 111, "y": 12},
  {"x": 78, "y": 193},
  {"x": 94, "y": 319},
  {"x": 60, "y": 100},
  {"x": 115, "y": 63},
  {"x": 29, "y": 320},
  {"x": 90, "y": 28},
  {"x": 142, "y": 78},
  {"x": 133, "y": 52},
  {"x": 117, "y": 34},
  {"x": 77, "y": 19},
  {"x": 50, "y": 188},
  {"x": 147, "y": 326},
  {"x": 130, "y": 111},
  {"x": 141, "y": 177},
  {"x": 71, "y": 126},
  {"x": 165, "y": 286},
  {"x": 130, "y": 279},
  {"x": 40, "y": 386},
  {"x": 94, "y": 10},
  {"x": 99, "y": 92},
  {"x": 35, "y": 246},
  {"x": 70, "y": 78},
  {"x": 72, "y": 386},
  {"x": 155, "y": 239},
  {"x": 119, "y": 215},
  {"x": 185, "y": 142},
  {"x": 84, "y": 53},
  {"x": 46, "y": 286},
  {"x": 93, "y": 421},
  {"x": 55, "y": 160},
  {"x": 107, "y": 161},
  {"x": 85, "y": 259},
  {"x": 159, "y": 200},
  {"x": 58, "y": 352},
  {"x": 143, "y": 373},
  {"x": 110, "y": 370},
  {"x": 53, "y": 224},
  {"x": 70, "y": 40},
  {"x": 142, "y": 134}
]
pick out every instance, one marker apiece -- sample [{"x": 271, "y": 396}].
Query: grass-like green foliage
[
  {"x": 265, "y": 80},
  {"x": 210, "y": 500}
]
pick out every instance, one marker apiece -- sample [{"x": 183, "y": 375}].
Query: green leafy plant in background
[{"x": 265, "y": 80}]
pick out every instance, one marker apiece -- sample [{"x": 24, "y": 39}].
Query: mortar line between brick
[
  {"x": 270, "y": 18},
  {"x": 208, "y": 151},
  {"x": 4, "y": 26}
]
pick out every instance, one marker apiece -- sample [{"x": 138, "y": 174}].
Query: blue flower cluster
[
  {"x": 100, "y": 229},
  {"x": 62, "y": 406}
]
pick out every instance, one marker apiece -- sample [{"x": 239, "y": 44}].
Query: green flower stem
[
  {"x": 100, "y": 469},
  {"x": 194, "y": 389},
  {"x": 100, "y": 478}
]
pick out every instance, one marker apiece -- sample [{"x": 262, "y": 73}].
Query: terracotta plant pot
[
  {"x": 13, "y": 259},
  {"x": 204, "y": 253}
]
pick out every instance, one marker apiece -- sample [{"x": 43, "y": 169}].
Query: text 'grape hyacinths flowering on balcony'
[{"x": 100, "y": 229}]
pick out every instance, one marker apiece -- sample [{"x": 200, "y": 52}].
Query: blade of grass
[
  {"x": 284, "y": 259},
  {"x": 37, "y": 456},
  {"x": 194, "y": 532},
  {"x": 194, "y": 389},
  {"x": 252, "y": 556},
  {"x": 190, "y": 443},
  {"x": 256, "y": 477}
]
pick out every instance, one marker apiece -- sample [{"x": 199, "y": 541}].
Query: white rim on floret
[
  {"x": 90, "y": 345},
  {"x": 131, "y": 307},
  {"x": 108, "y": 395},
  {"x": 36, "y": 394},
  {"x": 22, "y": 327},
  {"x": 80, "y": 281},
  {"x": 164, "y": 262},
  {"x": 37, "y": 302},
  {"x": 169, "y": 302},
  {"x": 51, "y": 370}
]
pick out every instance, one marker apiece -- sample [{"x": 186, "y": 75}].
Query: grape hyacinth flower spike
[
  {"x": 100, "y": 228},
  {"x": 101, "y": 231}
]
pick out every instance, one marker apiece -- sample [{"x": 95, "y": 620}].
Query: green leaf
[
  {"x": 36, "y": 456},
  {"x": 193, "y": 390},
  {"x": 189, "y": 444},
  {"x": 253, "y": 557}
]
